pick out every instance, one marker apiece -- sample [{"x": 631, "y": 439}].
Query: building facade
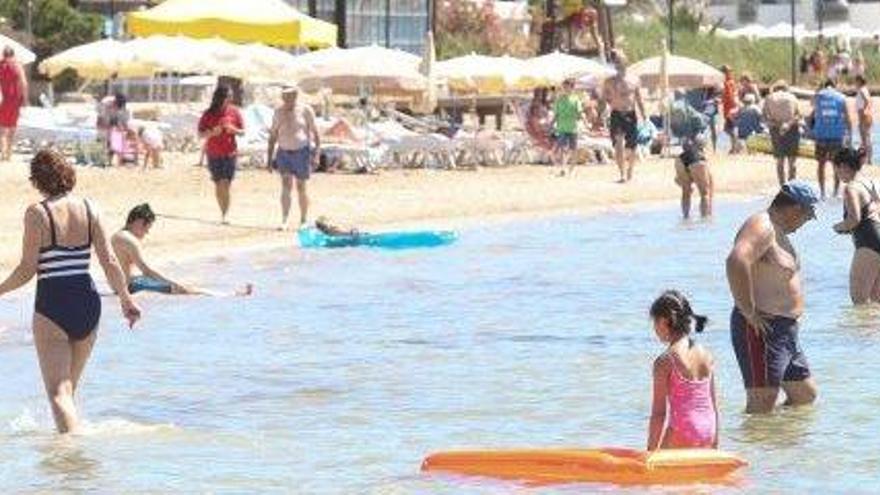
[{"x": 398, "y": 24}]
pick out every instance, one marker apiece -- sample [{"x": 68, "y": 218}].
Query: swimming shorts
[
  {"x": 149, "y": 284},
  {"x": 625, "y": 124},
  {"x": 295, "y": 162},
  {"x": 770, "y": 359},
  {"x": 567, "y": 140},
  {"x": 827, "y": 150},
  {"x": 222, "y": 168},
  {"x": 785, "y": 145}
]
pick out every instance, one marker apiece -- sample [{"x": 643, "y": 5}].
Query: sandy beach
[{"x": 183, "y": 196}]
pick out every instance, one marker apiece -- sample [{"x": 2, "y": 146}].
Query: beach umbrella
[
  {"x": 554, "y": 68},
  {"x": 97, "y": 60},
  {"x": 272, "y": 22},
  {"x": 22, "y": 54},
  {"x": 783, "y": 30},
  {"x": 427, "y": 102},
  {"x": 749, "y": 31},
  {"x": 484, "y": 74},
  {"x": 351, "y": 71},
  {"x": 844, "y": 30},
  {"x": 682, "y": 73},
  {"x": 252, "y": 62}
]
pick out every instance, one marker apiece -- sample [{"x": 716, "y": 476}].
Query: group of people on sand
[
  {"x": 557, "y": 132},
  {"x": 828, "y": 123},
  {"x": 293, "y": 149}
]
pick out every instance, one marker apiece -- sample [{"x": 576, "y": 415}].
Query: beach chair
[{"x": 412, "y": 149}]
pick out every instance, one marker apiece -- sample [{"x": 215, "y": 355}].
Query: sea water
[{"x": 348, "y": 366}]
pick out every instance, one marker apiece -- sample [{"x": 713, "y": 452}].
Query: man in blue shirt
[{"x": 831, "y": 128}]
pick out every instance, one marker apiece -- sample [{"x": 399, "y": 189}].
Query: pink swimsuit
[{"x": 691, "y": 410}]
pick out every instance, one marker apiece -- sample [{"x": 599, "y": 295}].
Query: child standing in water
[{"x": 684, "y": 413}]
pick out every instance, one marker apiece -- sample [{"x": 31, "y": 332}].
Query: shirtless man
[
  {"x": 299, "y": 147},
  {"x": 624, "y": 97},
  {"x": 764, "y": 276},
  {"x": 127, "y": 246}
]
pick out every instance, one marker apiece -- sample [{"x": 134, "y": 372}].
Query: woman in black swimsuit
[
  {"x": 59, "y": 234},
  {"x": 861, "y": 219}
]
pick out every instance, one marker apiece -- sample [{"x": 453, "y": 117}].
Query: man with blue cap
[{"x": 764, "y": 276}]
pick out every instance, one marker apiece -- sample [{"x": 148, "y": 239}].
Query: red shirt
[
  {"x": 223, "y": 145},
  {"x": 728, "y": 98}
]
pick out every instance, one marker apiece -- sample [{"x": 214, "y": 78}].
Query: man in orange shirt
[{"x": 730, "y": 104}]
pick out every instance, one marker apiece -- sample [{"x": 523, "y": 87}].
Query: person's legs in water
[
  {"x": 703, "y": 178},
  {"x": 683, "y": 179},
  {"x": 56, "y": 356},
  {"x": 82, "y": 349},
  {"x": 761, "y": 400},
  {"x": 867, "y": 144},
  {"x": 222, "y": 191},
  {"x": 780, "y": 170},
  {"x": 800, "y": 393},
  {"x": 820, "y": 174},
  {"x": 864, "y": 275},
  {"x": 286, "y": 189}
]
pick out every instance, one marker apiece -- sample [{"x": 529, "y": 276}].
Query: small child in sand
[{"x": 684, "y": 413}]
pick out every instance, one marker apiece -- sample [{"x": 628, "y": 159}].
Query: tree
[{"x": 56, "y": 27}]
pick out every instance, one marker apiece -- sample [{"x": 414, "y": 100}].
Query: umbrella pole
[{"x": 150, "y": 87}]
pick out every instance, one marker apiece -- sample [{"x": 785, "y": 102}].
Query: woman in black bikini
[
  {"x": 861, "y": 219},
  {"x": 59, "y": 234}
]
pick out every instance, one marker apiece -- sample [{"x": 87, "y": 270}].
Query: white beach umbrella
[
  {"x": 782, "y": 30},
  {"x": 682, "y": 72},
  {"x": 97, "y": 60},
  {"x": 22, "y": 54},
  {"x": 483, "y": 74},
  {"x": 749, "y": 31},
  {"x": 354, "y": 70},
  {"x": 554, "y": 68},
  {"x": 844, "y": 30}
]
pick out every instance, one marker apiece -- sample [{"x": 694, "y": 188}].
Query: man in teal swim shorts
[{"x": 127, "y": 246}]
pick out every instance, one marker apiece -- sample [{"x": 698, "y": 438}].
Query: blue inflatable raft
[{"x": 313, "y": 238}]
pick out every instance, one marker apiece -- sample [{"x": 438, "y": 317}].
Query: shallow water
[{"x": 348, "y": 366}]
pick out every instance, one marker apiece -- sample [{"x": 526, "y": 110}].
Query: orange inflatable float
[{"x": 606, "y": 465}]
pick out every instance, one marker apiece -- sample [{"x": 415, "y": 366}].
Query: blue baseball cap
[{"x": 803, "y": 193}]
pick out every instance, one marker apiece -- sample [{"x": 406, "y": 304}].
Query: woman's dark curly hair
[{"x": 51, "y": 174}]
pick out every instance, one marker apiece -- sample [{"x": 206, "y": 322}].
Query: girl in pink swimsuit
[{"x": 684, "y": 413}]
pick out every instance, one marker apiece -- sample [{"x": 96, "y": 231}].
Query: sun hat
[{"x": 802, "y": 193}]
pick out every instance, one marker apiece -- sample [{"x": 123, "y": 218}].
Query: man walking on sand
[
  {"x": 623, "y": 95},
  {"x": 783, "y": 119},
  {"x": 299, "y": 146},
  {"x": 763, "y": 271}
]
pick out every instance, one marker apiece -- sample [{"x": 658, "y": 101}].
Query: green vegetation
[{"x": 56, "y": 27}]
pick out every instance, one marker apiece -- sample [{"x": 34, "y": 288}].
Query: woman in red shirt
[
  {"x": 13, "y": 86},
  {"x": 219, "y": 126}
]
